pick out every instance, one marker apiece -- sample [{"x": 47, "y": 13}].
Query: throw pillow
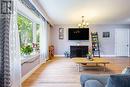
[{"x": 118, "y": 81}]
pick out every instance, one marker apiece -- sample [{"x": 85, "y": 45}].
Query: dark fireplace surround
[{"x": 78, "y": 51}]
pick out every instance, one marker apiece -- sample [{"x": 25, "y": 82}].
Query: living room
[{"x": 69, "y": 43}]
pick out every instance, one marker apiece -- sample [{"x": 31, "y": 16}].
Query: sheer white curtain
[
  {"x": 14, "y": 50},
  {"x": 43, "y": 41},
  {"x": 49, "y": 32}
]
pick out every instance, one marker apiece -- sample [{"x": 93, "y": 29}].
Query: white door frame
[{"x": 128, "y": 40}]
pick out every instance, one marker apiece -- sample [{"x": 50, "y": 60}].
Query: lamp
[{"x": 83, "y": 23}]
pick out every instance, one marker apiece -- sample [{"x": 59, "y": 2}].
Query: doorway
[{"x": 122, "y": 42}]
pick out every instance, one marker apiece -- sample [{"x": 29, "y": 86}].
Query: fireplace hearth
[{"x": 78, "y": 51}]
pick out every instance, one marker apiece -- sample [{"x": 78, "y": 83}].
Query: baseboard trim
[
  {"x": 96, "y": 55},
  {"x": 58, "y": 55},
  {"x": 108, "y": 55}
]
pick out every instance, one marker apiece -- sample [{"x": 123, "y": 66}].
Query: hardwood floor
[{"x": 62, "y": 72}]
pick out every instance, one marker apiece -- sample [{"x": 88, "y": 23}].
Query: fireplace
[{"x": 78, "y": 51}]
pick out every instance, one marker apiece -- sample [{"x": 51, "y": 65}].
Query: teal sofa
[{"x": 90, "y": 80}]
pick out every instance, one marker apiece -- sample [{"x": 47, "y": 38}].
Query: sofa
[{"x": 90, "y": 80}]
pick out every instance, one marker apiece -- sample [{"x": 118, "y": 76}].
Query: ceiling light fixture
[{"x": 84, "y": 23}]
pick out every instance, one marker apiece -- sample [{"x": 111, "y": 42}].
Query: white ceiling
[{"x": 96, "y": 11}]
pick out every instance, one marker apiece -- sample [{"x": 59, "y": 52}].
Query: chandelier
[{"x": 84, "y": 23}]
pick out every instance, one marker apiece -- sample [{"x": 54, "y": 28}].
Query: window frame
[{"x": 34, "y": 36}]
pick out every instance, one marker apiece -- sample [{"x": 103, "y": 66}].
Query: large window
[
  {"x": 29, "y": 35},
  {"x": 25, "y": 27},
  {"x": 37, "y": 33}
]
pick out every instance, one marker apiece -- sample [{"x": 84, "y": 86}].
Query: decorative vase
[
  {"x": 89, "y": 57},
  {"x": 26, "y": 55}
]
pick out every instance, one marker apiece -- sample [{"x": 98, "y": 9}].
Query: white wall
[
  {"x": 22, "y": 9},
  {"x": 107, "y": 45}
]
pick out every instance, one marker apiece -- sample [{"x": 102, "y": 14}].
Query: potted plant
[
  {"x": 89, "y": 55},
  {"x": 66, "y": 53},
  {"x": 26, "y": 50}
]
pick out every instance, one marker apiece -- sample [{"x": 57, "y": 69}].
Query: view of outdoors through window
[
  {"x": 37, "y": 36},
  {"x": 25, "y": 30},
  {"x": 27, "y": 36},
  {"x": 25, "y": 27}
]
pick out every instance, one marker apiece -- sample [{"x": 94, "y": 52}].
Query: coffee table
[{"x": 86, "y": 61}]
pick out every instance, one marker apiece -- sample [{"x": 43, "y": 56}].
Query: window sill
[{"x": 29, "y": 57}]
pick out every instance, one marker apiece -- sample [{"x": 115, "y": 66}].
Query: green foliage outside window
[
  {"x": 25, "y": 30},
  {"x": 25, "y": 34}
]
